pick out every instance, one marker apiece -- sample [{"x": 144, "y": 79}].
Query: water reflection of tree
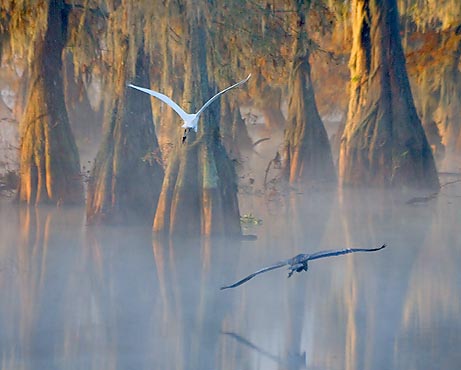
[
  {"x": 308, "y": 222},
  {"x": 430, "y": 331},
  {"x": 78, "y": 305},
  {"x": 193, "y": 310},
  {"x": 271, "y": 303},
  {"x": 370, "y": 291},
  {"x": 123, "y": 296},
  {"x": 36, "y": 285}
]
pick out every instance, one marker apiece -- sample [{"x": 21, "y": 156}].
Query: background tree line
[{"x": 351, "y": 59}]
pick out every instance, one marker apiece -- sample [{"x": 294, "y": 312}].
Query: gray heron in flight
[
  {"x": 190, "y": 119},
  {"x": 299, "y": 262}
]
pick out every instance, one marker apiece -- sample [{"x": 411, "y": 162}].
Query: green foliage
[{"x": 250, "y": 220}]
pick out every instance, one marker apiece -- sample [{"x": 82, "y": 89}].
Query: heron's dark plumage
[{"x": 299, "y": 262}]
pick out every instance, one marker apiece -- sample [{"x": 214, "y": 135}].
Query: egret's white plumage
[{"x": 190, "y": 119}]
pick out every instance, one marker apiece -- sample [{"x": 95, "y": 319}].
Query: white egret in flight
[
  {"x": 299, "y": 262},
  {"x": 190, "y": 119}
]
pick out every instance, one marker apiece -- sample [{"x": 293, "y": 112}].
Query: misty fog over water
[{"x": 79, "y": 297}]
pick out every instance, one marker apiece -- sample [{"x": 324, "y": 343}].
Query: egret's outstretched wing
[
  {"x": 220, "y": 93},
  {"x": 331, "y": 253},
  {"x": 251, "y": 276},
  {"x": 164, "y": 99}
]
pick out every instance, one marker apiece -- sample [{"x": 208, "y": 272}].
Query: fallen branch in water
[
  {"x": 260, "y": 141},
  {"x": 417, "y": 200}
]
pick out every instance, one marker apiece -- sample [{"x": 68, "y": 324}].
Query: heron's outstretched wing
[
  {"x": 220, "y": 93},
  {"x": 164, "y": 99},
  {"x": 251, "y": 276},
  {"x": 331, "y": 253}
]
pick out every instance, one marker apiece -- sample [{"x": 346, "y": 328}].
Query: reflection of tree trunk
[
  {"x": 126, "y": 178},
  {"x": 383, "y": 143},
  {"x": 307, "y": 153},
  {"x": 49, "y": 160},
  {"x": 430, "y": 314},
  {"x": 35, "y": 240},
  {"x": 384, "y": 295},
  {"x": 193, "y": 309},
  {"x": 199, "y": 194}
]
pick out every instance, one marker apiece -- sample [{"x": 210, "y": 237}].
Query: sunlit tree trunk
[
  {"x": 49, "y": 160},
  {"x": 199, "y": 193},
  {"x": 307, "y": 154},
  {"x": 167, "y": 120},
  {"x": 383, "y": 144},
  {"x": 126, "y": 178},
  {"x": 450, "y": 96}
]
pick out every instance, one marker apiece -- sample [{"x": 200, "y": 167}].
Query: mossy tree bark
[
  {"x": 127, "y": 175},
  {"x": 199, "y": 193},
  {"x": 49, "y": 160},
  {"x": 450, "y": 96},
  {"x": 383, "y": 144},
  {"x": 307, "y": 153}
]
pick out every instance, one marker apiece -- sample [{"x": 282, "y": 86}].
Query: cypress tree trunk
[
  {"x": 233, "y": 129},
  {"x": 85, "y": 122},
  {"x": 199, "y": 193},
  {"x": 307, "y": 154},
  {"x": 126, "y": 178},
  {"x": 165, "y": 117},
  {"x": 268, "y": 100},
  {"x": 450, "y": 97},
  {"x": 49, "y": 160},
  {"x": 383, "y": 144},
  {"x": 427, "y": 106},
  {"x": 272, "y": 112}
]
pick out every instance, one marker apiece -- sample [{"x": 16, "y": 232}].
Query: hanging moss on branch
[{"x": 49, "y": 160}]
